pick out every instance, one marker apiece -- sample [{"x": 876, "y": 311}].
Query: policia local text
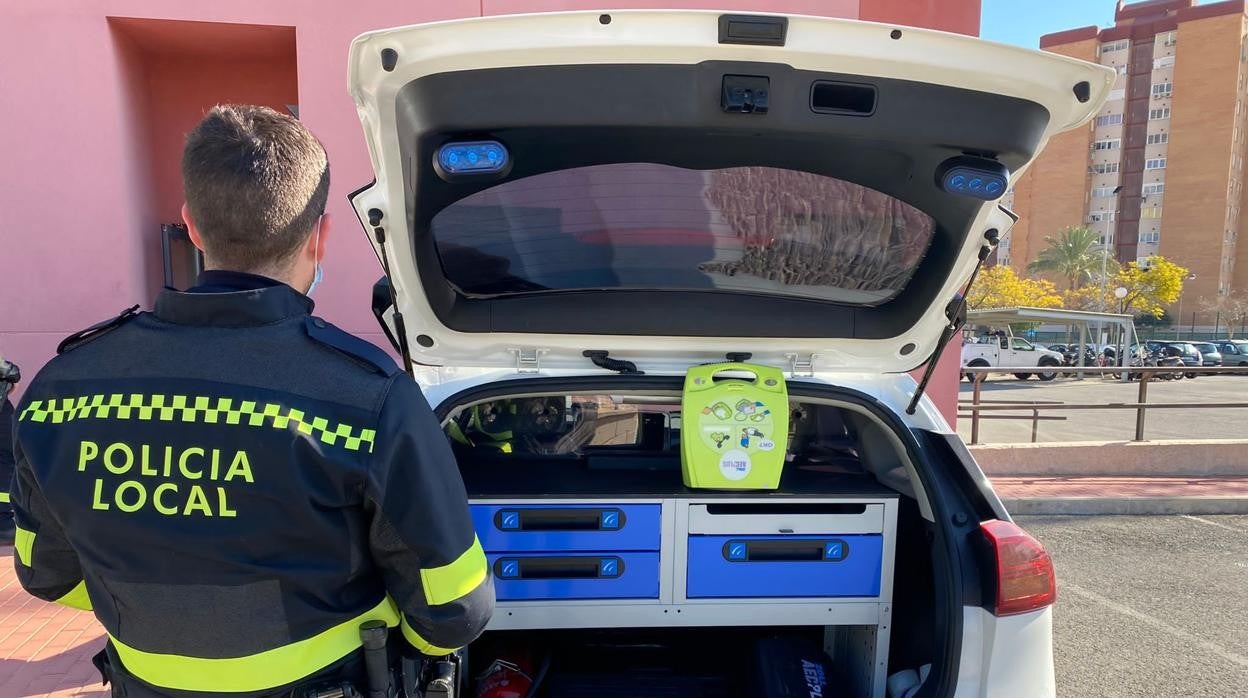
[{"x": 188, "y": 478}]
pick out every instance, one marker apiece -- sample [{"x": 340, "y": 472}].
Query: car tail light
[{"x": 1025, "y": 578}]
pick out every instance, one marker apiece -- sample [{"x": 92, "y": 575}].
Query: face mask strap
[{"x": 319, "y": 274}]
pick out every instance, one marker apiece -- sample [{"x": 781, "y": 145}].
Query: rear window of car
[
  {"x": 651, "y": 226},
  {"x": 1205, "y": 348}
]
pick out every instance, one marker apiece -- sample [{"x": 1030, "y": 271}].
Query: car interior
[{"x": 623, "y": 447}]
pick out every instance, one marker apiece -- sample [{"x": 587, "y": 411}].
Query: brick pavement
[
  {"x": 1022, "y": 487},
  {"x": 45, "y": 649}
]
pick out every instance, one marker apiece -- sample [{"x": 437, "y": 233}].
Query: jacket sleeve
[
  {"x": 420, "y": 531},
  {"x": 7, "y": 422},
  {"x": 47, "y": 565}
]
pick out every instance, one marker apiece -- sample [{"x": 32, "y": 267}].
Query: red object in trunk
[{"x": 507, "y": 677}]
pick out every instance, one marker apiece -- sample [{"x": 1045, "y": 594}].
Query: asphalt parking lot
[
  {"x": 1113, "y": 425},
  {"x": 1149, "y": 606}
]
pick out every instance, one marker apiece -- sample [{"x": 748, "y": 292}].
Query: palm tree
[{"x": 1073, "y": 255}]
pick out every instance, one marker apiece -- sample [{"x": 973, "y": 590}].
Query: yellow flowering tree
[
  {"x": 1000, "y": 287},
  {"x": 1150, "y": 288},
  {"x": 1089, "y": 298}
]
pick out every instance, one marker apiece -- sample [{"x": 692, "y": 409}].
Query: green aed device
[{"x": 734, "y": 427}]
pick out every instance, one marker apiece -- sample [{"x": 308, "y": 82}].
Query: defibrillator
[{"x": 734, "y": 427}]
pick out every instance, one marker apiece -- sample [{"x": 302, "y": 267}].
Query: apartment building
[{"x": 1160, "y": 170}]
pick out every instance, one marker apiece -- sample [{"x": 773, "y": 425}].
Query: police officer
[
  {"x": 10, "y": 375},
  {"x": 232, "y": 484}
]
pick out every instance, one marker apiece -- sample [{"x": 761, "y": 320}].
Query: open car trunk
[{"x": 613, "y": 578}]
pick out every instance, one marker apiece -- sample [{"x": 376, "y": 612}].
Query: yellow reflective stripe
[
  {"x": 256, "y": 672},
  {"x": 456, "y": 580},
  {"x": 4, "y": 498},
  {"x": 421, "y": 644},
  {"x": 77, "y": 598},
  {"x": 198, "y": 409},
  {"x": 23, "y": 543}
]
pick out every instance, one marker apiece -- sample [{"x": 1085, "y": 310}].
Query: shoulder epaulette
[
  {"x": 97, "y": 330},
  {"x": 349, "y": 344}
]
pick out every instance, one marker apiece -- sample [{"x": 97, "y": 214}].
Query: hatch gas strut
[
  {"x": 956, "y": 313},
  {"x": 379, "y": 233}
]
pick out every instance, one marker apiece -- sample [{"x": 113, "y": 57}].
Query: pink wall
[
  {"x": 78, "y": 208},
  {"x": 181, "y": 90}
]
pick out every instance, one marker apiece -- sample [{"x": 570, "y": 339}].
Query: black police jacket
[{"x": 234, "y": 486}]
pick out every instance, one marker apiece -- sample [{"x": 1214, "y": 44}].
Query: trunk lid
[{"x": 674, "y": 186}]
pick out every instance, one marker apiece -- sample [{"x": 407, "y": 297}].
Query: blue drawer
[
  {"x": 567, "y": 527},
  {"x": 536, "y": 576},
  {"x": 784, "y": 566}
]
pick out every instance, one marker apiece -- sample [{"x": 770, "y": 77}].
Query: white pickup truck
[{"x": 1007, "y": 352}]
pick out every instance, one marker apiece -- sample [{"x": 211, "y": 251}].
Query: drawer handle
[
  {"x": 558, "y": 568},
  {"x": 782, "y": 550},
  {"x": 828, "y": 509},
  {"x": 559, "y": 519}
]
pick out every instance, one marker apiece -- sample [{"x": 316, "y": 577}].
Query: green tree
[
  {"x": 1073, "y": 256},
  {"x": 1000, "y": 287}
]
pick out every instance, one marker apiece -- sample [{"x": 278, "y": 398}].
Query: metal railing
[{"x": 977, "y": 405}]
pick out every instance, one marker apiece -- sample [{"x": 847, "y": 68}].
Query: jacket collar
[
  {"x": 225, "y": 281},
  {"x": 248, "y": 308}
]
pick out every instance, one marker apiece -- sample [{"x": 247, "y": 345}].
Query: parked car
[
  {"x": 1210, "y": 356},
  {"x": 1234, "y": 352},
  {"x": 1005, "y": 352},
  {"x": 586, "y": 204}
]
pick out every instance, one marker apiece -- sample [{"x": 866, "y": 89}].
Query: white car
[
  {"x": 574, "y": 209},
  {"x": 1006, "y": 352}
]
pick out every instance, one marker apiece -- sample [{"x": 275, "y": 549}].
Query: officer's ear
[
  {"x": 193, "y": 232},
  {"x": 320, "y": 234}
]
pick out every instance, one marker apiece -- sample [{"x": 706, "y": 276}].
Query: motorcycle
[
  {"x": 1108, "y": 359},
  {"x": 1070, "y": 357},
  {"x": 1154, "y": 359}
]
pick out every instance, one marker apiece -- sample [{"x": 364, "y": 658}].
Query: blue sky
[{"x": 1023, "y": 22}]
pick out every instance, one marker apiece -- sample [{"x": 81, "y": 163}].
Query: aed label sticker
[{"x": 735, "y": 464}]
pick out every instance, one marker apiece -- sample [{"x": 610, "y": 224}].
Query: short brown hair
[{"x": 256, "y": 181}]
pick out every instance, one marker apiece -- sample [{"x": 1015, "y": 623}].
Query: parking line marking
[
  {"x": 1180, "y": 633},
  {"x": 1214, "y": 523}
]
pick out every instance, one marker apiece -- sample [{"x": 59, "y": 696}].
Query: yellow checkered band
[{"x": 198, "y": 409}]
